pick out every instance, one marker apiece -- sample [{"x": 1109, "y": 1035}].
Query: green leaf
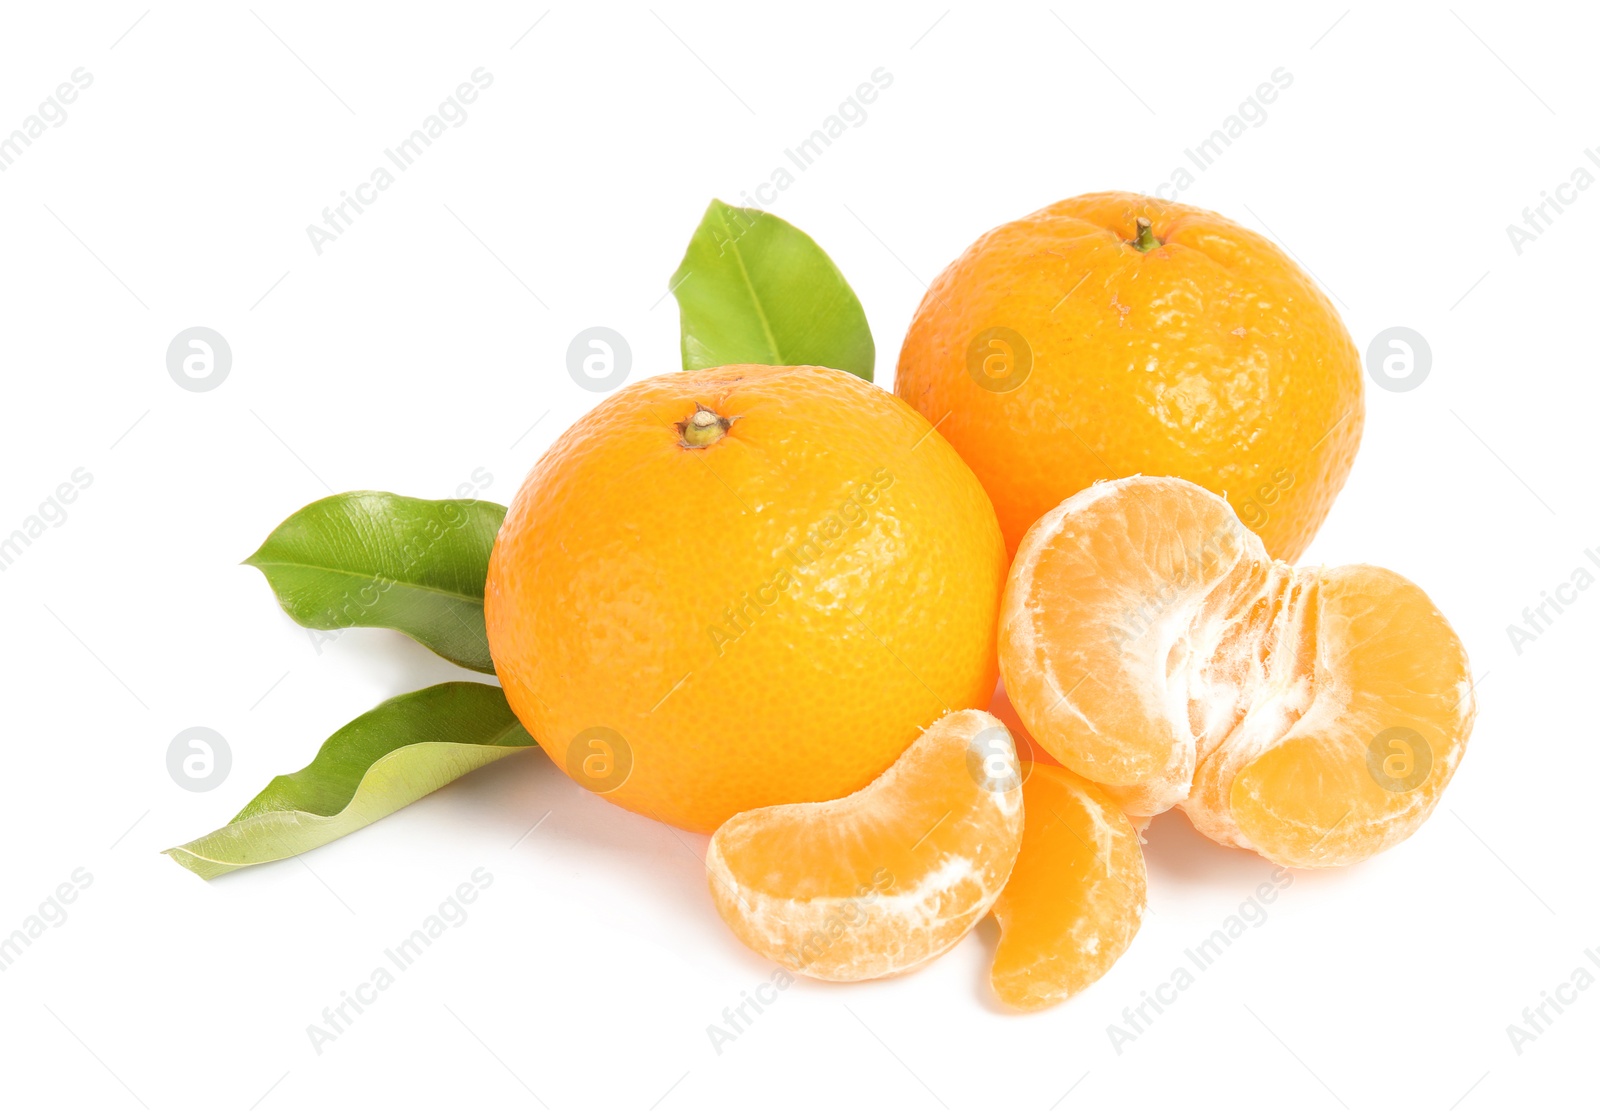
[
  {"x": 368, "y": 558},
  {"x": 402, "y": 750},
  {"x": 753, "y": 288}
]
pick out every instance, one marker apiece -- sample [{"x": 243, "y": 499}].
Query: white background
[{"x": 429, "y": 338}]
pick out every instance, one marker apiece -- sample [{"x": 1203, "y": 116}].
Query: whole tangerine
[
  {"x": 744, "y": 586},
  {"x": 1115, "y": 334}
]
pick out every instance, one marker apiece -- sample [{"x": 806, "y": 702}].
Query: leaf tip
[{"x": 189, "y": 862}]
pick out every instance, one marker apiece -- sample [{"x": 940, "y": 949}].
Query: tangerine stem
[
  {"x": 703, "y": 428},
  {"x": 1144, "y": 240}
]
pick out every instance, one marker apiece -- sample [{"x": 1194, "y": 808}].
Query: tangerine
[
  {"x": 1115, "y": 334},
  {"x": 1150, "y": 644},
  {"x": 743, "y": 586}
]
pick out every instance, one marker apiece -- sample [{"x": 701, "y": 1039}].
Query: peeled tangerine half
[
  {"x": 1148, "y": 642},
  {"x": 891, "y": 876}
]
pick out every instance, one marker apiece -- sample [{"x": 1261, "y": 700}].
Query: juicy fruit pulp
[
  {"x": 698, "y": 615},
  {"x": 1151, "y": 645},
  {"x": 1075, "y": 897},
  {"x": 1077, "y": 344},
  {"x": 887, "y": 878}
]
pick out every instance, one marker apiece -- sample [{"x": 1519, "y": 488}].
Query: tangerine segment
[
  {"x": 1075, "y": 897},
  {"x": 1312, "y": 715},
  {"x": 1365, "y": 765},
  {"x": 1094, "y": 643},
  {"x": 884, "y": 879}
]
